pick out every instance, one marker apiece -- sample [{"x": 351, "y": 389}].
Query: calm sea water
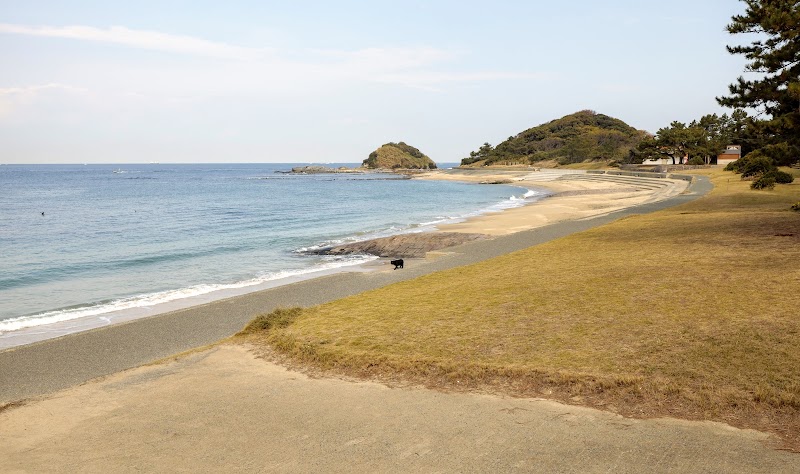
[{"x": 84, "y": 241}]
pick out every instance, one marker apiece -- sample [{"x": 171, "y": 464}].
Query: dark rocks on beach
[
  {"x": 403, "y": 245},
  {"x": 498, "y": 181}
]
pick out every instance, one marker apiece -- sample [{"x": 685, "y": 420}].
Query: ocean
[{"x": 87, "y": 245}]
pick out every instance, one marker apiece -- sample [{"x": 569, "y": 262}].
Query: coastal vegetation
[
  {"x": 775, "y": 92},
  {"x": 398, "y": 156},
  {"x": 697, "y": 143},
  {"x": 773, "y": 132},
  {"x": 280, "y": 318},
  {"x": 582, "y": 136},
  {"x": 698, "y": 324},
  {"x": 761, "y": 170}
]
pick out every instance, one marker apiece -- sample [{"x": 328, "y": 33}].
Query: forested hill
[
  {"x": 398, "y": 155},
  {"x": 582, "y": 136}
]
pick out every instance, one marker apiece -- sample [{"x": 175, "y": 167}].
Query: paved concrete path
[
  {"x": 48, "y": 366},
  {"x": 223, "y": 410}
]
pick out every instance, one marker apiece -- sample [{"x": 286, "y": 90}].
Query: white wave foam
[
  {"x": 152, "y": 299},
  {"x": 510, "y": 203}
]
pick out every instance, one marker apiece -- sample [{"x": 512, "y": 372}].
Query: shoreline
[
  {"x": 47, "y": 366},
  {"x": 125, "y": 313},
  {"x": 568, "y": 199},
  {"x": 44, "y": 332}
]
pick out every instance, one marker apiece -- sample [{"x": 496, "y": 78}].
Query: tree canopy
[
  {"x": 700, "y": 141},
  {"x": 775, "y": 57}
]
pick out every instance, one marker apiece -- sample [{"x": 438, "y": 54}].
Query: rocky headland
[{"x": 398, "y": 156}]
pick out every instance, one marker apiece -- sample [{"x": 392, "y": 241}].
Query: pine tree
[{"x": 775, "y": 55}]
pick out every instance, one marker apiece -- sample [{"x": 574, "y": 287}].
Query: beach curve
[
  {"x": 223, "y": 406},
  {"x": 54, "y": 364}
]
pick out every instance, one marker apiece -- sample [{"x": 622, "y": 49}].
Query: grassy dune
[{"x": 691, "y": 312}]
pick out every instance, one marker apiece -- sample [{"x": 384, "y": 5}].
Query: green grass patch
[
  {"x": 689, "y": 312},
  {"x": 278, "y": 318}
]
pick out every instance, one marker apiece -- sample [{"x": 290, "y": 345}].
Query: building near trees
[{"x": 729, "y": 155}]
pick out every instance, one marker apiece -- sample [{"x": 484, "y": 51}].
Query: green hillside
[
  {"x": 398, "y": 155},
  {"x": 582, "y": 136}
]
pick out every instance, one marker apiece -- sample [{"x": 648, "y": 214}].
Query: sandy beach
[
  {"x": 578, "y": 201},
  {"x": 96, "y": 401},
  {"x": 571, "y": 196},
  {"x": 575, "y": 195}
]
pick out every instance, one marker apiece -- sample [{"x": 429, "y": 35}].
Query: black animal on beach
[{"x": 397, "y": 263}]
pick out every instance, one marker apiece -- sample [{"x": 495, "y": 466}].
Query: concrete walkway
[{"x": 223, "y": 410}]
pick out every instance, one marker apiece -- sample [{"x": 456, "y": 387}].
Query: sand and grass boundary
[
  {"x": 690, "y": 312},
  {"x": 45, "y": 367}
]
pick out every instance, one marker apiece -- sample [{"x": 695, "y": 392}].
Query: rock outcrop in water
[{"x": 316, "y": 169}]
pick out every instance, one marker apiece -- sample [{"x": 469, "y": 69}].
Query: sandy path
[{"x": 225, "y": 410}]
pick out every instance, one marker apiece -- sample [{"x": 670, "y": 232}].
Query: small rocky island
[
  {"x": 389, "y": 158},
  {"x": 398, "y": 156}
]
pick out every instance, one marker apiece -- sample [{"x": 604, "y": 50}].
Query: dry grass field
[{"x": 691, "y": 312}]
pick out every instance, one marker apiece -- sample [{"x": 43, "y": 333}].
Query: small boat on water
[{"x": 118, "y": 170}]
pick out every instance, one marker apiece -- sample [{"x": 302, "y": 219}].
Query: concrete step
[
  {"x": 641, "y": 183},
  {"x": 551, "y": 175}
]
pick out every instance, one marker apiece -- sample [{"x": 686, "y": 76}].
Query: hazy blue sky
[{"x": 264, "y": 81}]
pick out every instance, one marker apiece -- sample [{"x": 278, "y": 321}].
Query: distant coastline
[
  {"x": 113, "y": 198},
  {"x": 201, "y": 324}
]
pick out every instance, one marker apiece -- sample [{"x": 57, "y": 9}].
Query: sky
[{"x": 321, "y": 81}]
